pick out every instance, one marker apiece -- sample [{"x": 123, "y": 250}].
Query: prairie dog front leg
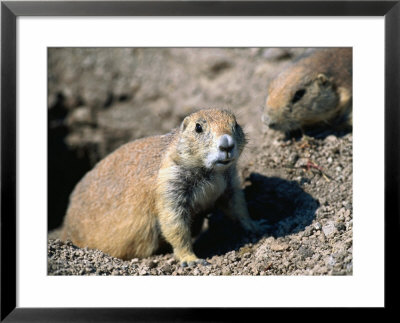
[
  {"x": 175, "y": 227},
  {"x": 233, "y": 204}
]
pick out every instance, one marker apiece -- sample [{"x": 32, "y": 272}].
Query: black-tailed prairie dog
[
  {"x": 314, "y": 91},
  {"x": 151, "y": 190}
]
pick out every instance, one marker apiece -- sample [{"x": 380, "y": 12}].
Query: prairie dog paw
[{"x": 202, "y": 262}]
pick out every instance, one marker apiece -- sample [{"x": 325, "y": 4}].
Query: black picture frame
[{"x": 11, "y": 10}]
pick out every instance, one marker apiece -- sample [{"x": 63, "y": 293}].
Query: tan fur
[
  {"x": 153, "y": 188},
  {"x": 325, "y": 75}
]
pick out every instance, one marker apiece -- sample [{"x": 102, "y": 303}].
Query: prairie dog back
[{"x": 119, "y": 185}]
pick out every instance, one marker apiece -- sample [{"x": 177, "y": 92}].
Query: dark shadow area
[
  {"x": 282, "y": 204},
  {"x": 65, "y": 169},
  {"x": 338, "y": 129},
  {"x": 317, "y": 133},
  {"x": 221, "y": 236}
]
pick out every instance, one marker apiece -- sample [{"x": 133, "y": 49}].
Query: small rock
[
  {"x": 293, "y": 158},
  {"x": 301, "y": 162},
  {"x": 305, "y": 252},
  {"x": 317, "y": 226},
  {"x": 143, "y": 271},
  {"x": 244, "y": 250},
  {"x": 166, "y": 268},
  {"x": 329, "y": 229},
  {"x": 307, "y": 232},
  {"x": 349, "y": 224},
  {"x": 151, "y": 264},
  {"x": 340, "y": 226},
  {"x": 246, "y": 255},
  {"x": 171, "y": 261},
  {"x": 279, "y": 246},
  {"x": 81, "y": 115},
  {"x": 330, "y": 261},
  {"x": 331, "y": 138}
]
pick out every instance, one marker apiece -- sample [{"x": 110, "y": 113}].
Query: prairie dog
[
  {"x": 151, "y": 190},
  {"x": 314, "y": 91}
]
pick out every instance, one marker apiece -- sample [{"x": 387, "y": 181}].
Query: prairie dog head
[
  {"x": 300, "y": 97},
  {"x": 210, "y": 139}
]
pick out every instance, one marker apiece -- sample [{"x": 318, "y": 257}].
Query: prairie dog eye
[
  {"x": 198, "y": 128},
  {"x": 298, "y": 95}
]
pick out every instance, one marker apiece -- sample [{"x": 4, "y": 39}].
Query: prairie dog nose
[{"x": 226, "y": 143}]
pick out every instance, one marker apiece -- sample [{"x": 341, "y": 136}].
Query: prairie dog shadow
[
  {"x": 282, "y": 204},
  {"x": 319, "y": 132}
]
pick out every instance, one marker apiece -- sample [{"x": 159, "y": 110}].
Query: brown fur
[
  {"x": 325, "y": 76},
  {"x": 152, "y": 189}
]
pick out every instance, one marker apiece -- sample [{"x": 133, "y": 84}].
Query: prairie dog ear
[
  {"x": 323, "y": 79},
  {"x": 184, "y": 124}
]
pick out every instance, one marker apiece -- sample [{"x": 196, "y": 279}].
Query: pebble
[
  {"x": 340, "y": 226},
  {"x": 330, "y": 261},
  {"x": 151, "y": 264},
  {"x": 166, "y": 269},
  {"x": 305, "y": 252},
  {"x": 317, "y": 226},
  {"x": 330, "y": 139},
  {"x": 247, "y": 255},
  {"x": 143, "y": 271},
  {"x": 308, "y": 231},
  {"x": 293, "y": 158},
  {"x": 301, "y": 162},
  {"x": 80, "y": 115},
  {"x": 329, "y": 229},
  {"x": 172, "y": 261},
  {"x": 279, "y": 246}
]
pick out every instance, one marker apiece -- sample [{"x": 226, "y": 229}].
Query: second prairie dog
[
  {"x": 316, "y": 90},
  {"x": 152, "y": 190}
]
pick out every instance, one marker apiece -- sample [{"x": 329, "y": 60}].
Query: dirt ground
[{"x": 302, "y": 187}]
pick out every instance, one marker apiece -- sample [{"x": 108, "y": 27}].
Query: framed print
[{"x": 305, "y": 92}]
